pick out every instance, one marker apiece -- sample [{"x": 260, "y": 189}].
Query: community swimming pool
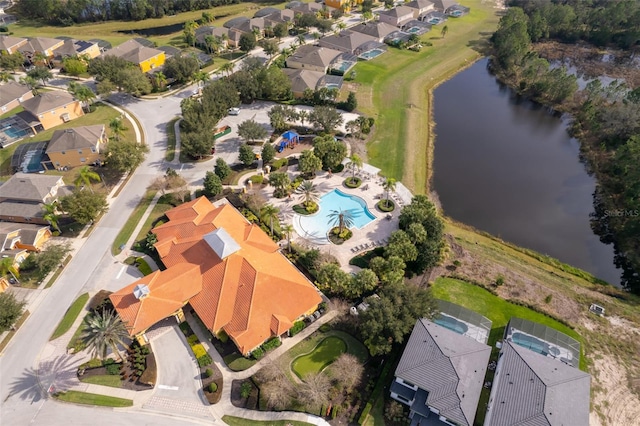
[
  {"x": 371, "y": 54},
  {"x": 315, "y": 227}
]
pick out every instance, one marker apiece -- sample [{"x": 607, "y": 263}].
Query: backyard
[{"x": 321, "y": 356}]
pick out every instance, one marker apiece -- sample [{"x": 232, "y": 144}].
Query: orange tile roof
[
  {"x": 169, "y": 290},
  {"x": 253, "y": 293}
]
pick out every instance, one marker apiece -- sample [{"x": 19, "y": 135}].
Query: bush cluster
[
  {"x": 297, "y": 327},
  {"x": 279, "y": 163},
  {"x": 271, "y": 344}
]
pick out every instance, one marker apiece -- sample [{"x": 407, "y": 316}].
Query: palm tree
[
  {"x": 51, "y": 215},
  {"x": 31, "y": 82},
  {"x": 355, "y": 163},
  {"x": 444, "y": 31},
  {"x": 117, "y": 127},
  {"x": 287, "y": 228},
  {"x": 201, "y": 77},
  {"x": 341, "y": 218},
  {"x": 41, "y": 57},
  {"x": 82, "y": 93},
  {"x": 159, "y": 80},
  {"x": 341, "y": 25},
  {"x": 309, "y": 192},
  {"x": 7, "y": 266},
  {"x": 5, "y": 76},
  {"x": 301, "y": 39},
  {"x": 102, "y": 331},
  {"x": 269, "y": 212},
  {"x": 85, "y": 176},
  {"x": 389, "y": 185},
  {"x": 227, "y": 68},
  {"x": 303, "y": 116}
]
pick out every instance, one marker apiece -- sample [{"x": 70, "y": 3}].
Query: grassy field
[
  {"x": 238, "y": 421},
  {"x": 132, "y": 222},
  {"x": 321, "y": 356},
  {"x": 116, "y": 32},
  {"x": 101, "y": 115},
  {"x": 104, "y": 380},
  {"x": 85, "y": 398},
  {"x": 70, "y": 316},
  {"x": 401, "y": 102}
]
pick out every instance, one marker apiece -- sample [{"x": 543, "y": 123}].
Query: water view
[{"x": 508, "y": 167}]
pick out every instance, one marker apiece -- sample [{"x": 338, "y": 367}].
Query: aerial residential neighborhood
[{"x": 243, "y": 214}]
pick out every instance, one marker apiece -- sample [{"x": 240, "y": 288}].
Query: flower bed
[
  {"x": 386, "y": 206},
  {"x": 337, "y": 237},
  {"x": 211, "y": 376},
  {"x": 352, "y": 182}
]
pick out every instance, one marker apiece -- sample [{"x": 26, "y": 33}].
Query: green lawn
[
  {"x": 498, "y": 310},
  {"x": 322, "y": 355},
  {"x": 237, "y": 362},
  {"x": 162, "y": 206},
  {"x": 132, "y": 222},
  {"x": 12, "y": 112},
  {"x": 104, "y": 380},
  {"x": 77, "y": 397},
  {"x": 101, "y": 115},
  {"x": 143, "y": 266},
  {"x": 395, "y": 88},
  {"x": 70, "y": 316},
  {"x": 171, "y": 140},
  {"x": 238, "y": 421}
]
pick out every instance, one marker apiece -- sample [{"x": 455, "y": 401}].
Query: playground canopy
[{"x": 291, "y": 136}]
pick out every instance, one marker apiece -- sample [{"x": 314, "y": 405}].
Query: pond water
[{"x": 507, "y": 166}]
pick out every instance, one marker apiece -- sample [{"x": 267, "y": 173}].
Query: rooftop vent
[
  {"x": 141, "y": 291},
  {"x": 221, "y": 242}
]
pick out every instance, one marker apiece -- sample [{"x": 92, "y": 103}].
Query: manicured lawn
[
  {"x": 105, "y": 380},
  {"x": 498, "y": 310},
  {"x": 12, "y": 112},
  {"x": 237, "y": 362},
  {"x": 70, "y": 316},
  {"x": 171, "y": 140},
  {"x": 132, "y": 222},
  {"x": 238, "y": 421},
  {"x": 77, "y": 397},
  {"x": 164, "y": 203},
  {"x": 101, "y": 115},
  {"x": 322, "y": 355},
  {"x": 395, "y": 88},
  {"x": 143, "y": 266}
]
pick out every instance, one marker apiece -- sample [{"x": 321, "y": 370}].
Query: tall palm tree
[
  {"x": 389, "y": 185},
  {"x": 301, "y": 39},
  {"x": 303, "y": 116},
  {"x": 288, "y": 229},
  {"x": 51, "y": 215},
  {"x": 159, "y": 80},
  {"x": 117, "y": 127},
  {"x": 444, "y": 31},
  {"x": 31, "y": 82},
  {"x": 309, "y": 192},
  {"x": 82, "y": 93},
  {"x": 341, "y": 218},
  {"x": 269, "y": 212},
  {"x": 355, "y": 163},
  {"x": 201, "y": 77},
  {"x": 227, "y": 68},
  {"x": 102, "y": 331},
  {"x": 85, "y": 176}
]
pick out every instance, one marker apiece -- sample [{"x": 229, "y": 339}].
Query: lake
[{"x": 507, "y": 166}]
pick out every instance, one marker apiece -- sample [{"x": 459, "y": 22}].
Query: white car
[{"x": 234, "y": 111}]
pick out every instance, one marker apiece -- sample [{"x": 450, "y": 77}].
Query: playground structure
[{"x": 289, "y": 140}]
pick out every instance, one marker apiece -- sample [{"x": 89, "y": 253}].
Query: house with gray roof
[
  {"x": 396, "y": 16},
  {"x": 12, "y": 94},
  {"x": 314, "y": 58},
  {"x": 71, "y": 48},
  {"x": 18, "y": 239},
  {"x": 303, "y": 80},
  {"x": 22, "y": 196},
  {"x": 42, "y": 45},
  {"x": 10, "y": 44},
  {"x": 147, "y": 58},
  {"x": 284, "y": 15},
  {"x": 532, "y": 389},
  {"x": 377, "y": 30},
  {"x": 346, "y": 41},
  {"x": 440, "y": 375},
  {"x": 420, "y": 7}
]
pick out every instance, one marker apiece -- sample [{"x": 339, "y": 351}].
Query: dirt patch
[
  {"x": 251, "y": 402},
  {"x": 612, "y": 399}
]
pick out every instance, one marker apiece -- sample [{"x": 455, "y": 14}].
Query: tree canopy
[{"x": 84, "y": 206}]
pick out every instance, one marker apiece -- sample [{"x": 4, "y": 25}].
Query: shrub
[
  {"x": 386, "y": 206},
  {"x": 150, "y": 374},
  {"x": 208, "y": 372},
  {"x": 352, "y": 182},
  {"x": 192, "y": 340},
  {"x": 204, "y": 360},
  {"x": 213, "y": 387},
  {"x": 222, "y": 336},
  {"x": 245, "y": 389},
  {"x": 257, "y": 353},
  {"x": 297, "y": 327},
  {"x": 281, "y": 162},
  {"x": 113, "y": 369},
  {"x": 271, "y": 344},
  {"x": 499, "y": 281},
  {"x": 198, "y": 350},
  {"x": 548, "y": 298},
  {"x": 92, "y": 363},
  {"x": 457, "y": 263},
  {"x": 257, "y": 179}
]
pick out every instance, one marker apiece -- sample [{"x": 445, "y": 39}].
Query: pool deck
[{"x": 376, "y": 231}]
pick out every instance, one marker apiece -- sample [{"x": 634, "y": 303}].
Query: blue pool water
[
  {"x": 530, "y": 342},
  {"x": 451, "y": 323},
  {"x": 413, "y": 30},
  {"x": 371, "y": 54},
  {"x": 316, "y": 226},
  {"x": 14, "y": 133},
  {"x": 343, "y": 66},
  {"x": 434, "y": 21}
]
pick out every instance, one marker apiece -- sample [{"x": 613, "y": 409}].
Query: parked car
[{"x": 234, "y": 111}]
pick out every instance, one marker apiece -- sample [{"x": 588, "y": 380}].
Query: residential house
[
  {"x": 12, "y": 94},
  {"x": 229, "y": 271},
  {"x": 396, "y": 16},
  {"x": 377, "y": 30},
  {"x": 22, "y": 196},
  {"x": 281, "y": 16},
  {"x": 303, "y": 80},
  {"x": 440, "y": 374},
  {"x": 147, "y": 58},
  {"x": 420, "y": 7},
  {"x": 303, "y": 8},
  {"x": 42, "y": 45},
  {"x": 77, "y": 146},
  {"x": 80, "y": 48},
  {"x": 254, "y": 25},
  {"x": 533, "y": 384},
  {"x": 10, "y": 44},
  {"x": 344, "y": 5},
  {"x": 49, "y": 109},
  {"x": 265, "y": 11},
  {"x": 219, "y": 32},
  {"x": 346, "y": 41},
  {"x": 444, "y": 5},
  {"x": 18, "y": 239},
  {"x": 312, "y": 58}
]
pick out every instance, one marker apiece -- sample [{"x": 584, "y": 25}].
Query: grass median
[
  {"x": 238, "y": 421},
  {"x": 86, "y": 398},
  {"x": 70, "y": 316},
  {"x": 128, "y": 228}
]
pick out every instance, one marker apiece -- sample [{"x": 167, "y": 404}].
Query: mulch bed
[
  {"x": 129, "y": 384},
  {"x": 212, "y": 397},
  {"x": 237, "y": 400}
]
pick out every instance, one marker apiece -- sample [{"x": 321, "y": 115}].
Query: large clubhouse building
[{"x": 229, "y": 271}]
